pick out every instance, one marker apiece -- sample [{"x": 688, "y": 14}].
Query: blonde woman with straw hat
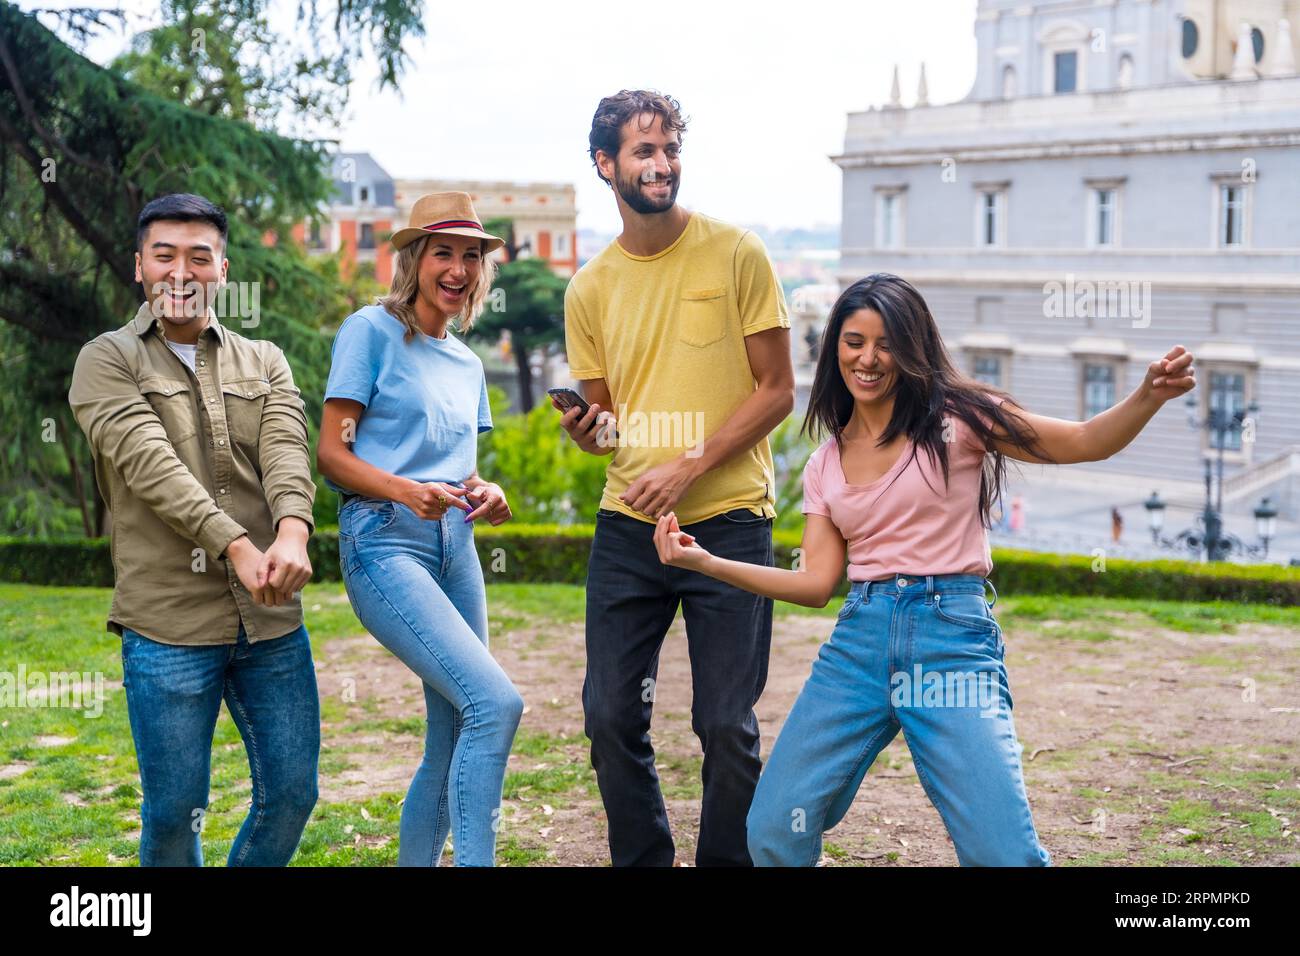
[{"x": 404, "y": 405}]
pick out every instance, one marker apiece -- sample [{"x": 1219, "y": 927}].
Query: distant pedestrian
[{"x": 1116, "y": 525}]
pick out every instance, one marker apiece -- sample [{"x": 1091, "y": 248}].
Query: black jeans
[{"x": 631, "y": 600}]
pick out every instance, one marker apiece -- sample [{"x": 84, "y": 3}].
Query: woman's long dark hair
[{"x": 929, "y": 387}]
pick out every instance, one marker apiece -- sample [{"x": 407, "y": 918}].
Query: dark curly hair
[{"x": 614, "y": 111}]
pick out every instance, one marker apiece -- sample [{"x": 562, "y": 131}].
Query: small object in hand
[{"x": 567, "y": 398}]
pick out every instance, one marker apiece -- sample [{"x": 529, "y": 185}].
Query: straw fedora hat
[{"x": 450, "y": 212}]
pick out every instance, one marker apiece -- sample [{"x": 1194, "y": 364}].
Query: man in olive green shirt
[{"x": 200, "y": 445}]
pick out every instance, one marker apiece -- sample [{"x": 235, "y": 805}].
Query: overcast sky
[{"x": 506, "y": 90}]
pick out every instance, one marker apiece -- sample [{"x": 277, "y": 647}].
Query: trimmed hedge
[{"x": 555, "y": 553}]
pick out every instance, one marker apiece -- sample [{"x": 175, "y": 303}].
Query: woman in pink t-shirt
[{"x": 902, "y": 489}]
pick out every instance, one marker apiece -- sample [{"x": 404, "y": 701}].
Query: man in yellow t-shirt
[{"x": 679, "y": 334}]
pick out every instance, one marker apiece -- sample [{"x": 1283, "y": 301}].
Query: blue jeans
[
  {"x": 920, "y": 654},
  {"x": 173, "y": 696},
  {"x": 417, "y": 586}
]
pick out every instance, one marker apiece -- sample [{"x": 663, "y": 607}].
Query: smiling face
[
  {"x": 646, "y": 173},
  {"x": 449, "y": 270},
  {"x": 180, "y": 264},
  {"x": 866, "y": 364}
]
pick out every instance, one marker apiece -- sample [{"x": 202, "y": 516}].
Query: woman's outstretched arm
[
  {"x": 822, "y": 556},
  {"x": 1109, "y": 432}
]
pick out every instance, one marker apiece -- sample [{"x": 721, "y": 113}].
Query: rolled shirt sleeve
[{"x": 282, "y": 448}]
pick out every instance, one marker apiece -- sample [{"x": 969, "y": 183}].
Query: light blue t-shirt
[{"x": 426, "y": 400}]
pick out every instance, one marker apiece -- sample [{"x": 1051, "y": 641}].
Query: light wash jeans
[
  {"x": 417, "y": 586},
  {"x": 173, "y": 696},
  {"x": 920, "y": 654}
]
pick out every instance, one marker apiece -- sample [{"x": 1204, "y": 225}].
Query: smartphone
[{"x": 568, "y": 398}]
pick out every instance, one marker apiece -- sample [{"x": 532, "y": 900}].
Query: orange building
[
  {"x": 545, "y": 214},
  {"x": 369, "y": 205},
  {"x": 360, "y": 218}
]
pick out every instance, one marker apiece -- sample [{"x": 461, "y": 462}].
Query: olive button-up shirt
[{"x": 187, "y": 462}]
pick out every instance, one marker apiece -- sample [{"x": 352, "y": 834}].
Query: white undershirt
[{"x": 186, "y": 352}]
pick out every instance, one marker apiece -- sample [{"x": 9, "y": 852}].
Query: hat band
[{"x": 452, "y": 224}]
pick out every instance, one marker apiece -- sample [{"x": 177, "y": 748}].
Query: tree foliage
[
  {"x": 83, "y": 147},
  {"x": 528, "y": 303}
]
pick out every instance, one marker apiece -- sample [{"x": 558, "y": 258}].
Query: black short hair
[{"x": 181, "y": 207}]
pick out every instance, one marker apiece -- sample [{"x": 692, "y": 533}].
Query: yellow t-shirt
[{"x": 667, "y": 334}]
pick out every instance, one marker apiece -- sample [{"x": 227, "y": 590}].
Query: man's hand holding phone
[{"x": 591, "y": 428}]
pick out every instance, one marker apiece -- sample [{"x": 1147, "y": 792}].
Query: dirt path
[{"x": 1150, "y": 747}]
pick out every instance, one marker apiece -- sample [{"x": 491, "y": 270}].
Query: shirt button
[
  {"x": 902, "y": 582},
  {"x": 221, "y": 441},
  {"x": 222, "y": 491},
  {"x": 201, "y": 362},
  {"x": 211, "y": 400}
]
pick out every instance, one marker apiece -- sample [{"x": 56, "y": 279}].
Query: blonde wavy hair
[{"x": 400, "y": 301}]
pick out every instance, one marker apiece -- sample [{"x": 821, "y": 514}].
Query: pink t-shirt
[{"x": 899, "y": 524}]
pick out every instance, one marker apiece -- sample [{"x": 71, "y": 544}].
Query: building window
[
  {"x": 1008, "y": 82},
  {"x": 1124, "y": 75},
  {"x": 365, "y": 194},
  {"x": 1103, "y": 224},
  {"x": 1065, "y": 71},
  {"x": 367, "y": 240},
  {"x": 317, "y": 238},
  {"x": 1232, "y": 214},
  {"x": 1098, "y": 388},
  {"x": 1105, "y": 217},
  {"x": 1227, "y": 397},
  {"x": 987, "y": 368},
  {"x": 990, "y": 225},
  {"x": 1257, "y": 41},
  {"x": 889, "y": 219},
  {"x": 561, "y": 245},
  {"x": 1191, "y": 38}
]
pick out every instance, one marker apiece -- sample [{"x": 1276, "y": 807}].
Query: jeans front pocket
[
  {"x": 743, "y": 517},
  {"x": 364, "y": 517},
  {"x": 703, "y": 316},
  {"x": 968, "y": 610},
  {"x": 850, "y": 604}
]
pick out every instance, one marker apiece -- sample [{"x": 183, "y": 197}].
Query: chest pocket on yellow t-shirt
[{"x": 703, "y": 318}]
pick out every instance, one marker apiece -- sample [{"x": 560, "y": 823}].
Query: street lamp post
[{"x": 1209, "y": 539}]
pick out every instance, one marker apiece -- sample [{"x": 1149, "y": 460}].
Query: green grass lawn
[{"x": 68, "y": 785}]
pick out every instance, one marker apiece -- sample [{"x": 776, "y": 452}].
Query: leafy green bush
[
  {"x": 559, "y": 553},
  {"x": 790, "y": 452},
  {"x": 546, "y": 477}
]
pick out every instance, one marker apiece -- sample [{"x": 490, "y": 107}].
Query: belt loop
[
  {"x": 929, "y": 589},
  {"x": 995, "y": 592}
]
